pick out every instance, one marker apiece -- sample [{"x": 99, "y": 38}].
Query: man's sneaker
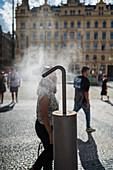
[
  {"x": 12, "y": 102},
  {"x": 90, "y": 130},
  {"x": 16, "y": 100}
]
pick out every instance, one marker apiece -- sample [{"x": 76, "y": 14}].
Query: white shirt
[{"x": 13, "y": 79}]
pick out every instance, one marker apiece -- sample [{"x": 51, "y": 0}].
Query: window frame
[
  {"x": 49, "y": 36},
  {"x": 22, "y": 25},
  {"x": 72, "y": 24},
  {"x": 87, "y": 46},
  {"x": 103, "y": 36},
  {"x": 72, "y": 36},
  {"x": 41, "y": 36},
  {"x": 56, "y": 35},
  {"x": 65, "y": 36},
  {"x": 78, "y": 35},
  {"x": 95, "y": 47},
  {"x": 96, "y": 24},
  {"x": 95, "y": 35},
  {"x": 111, "y": 35},
  {"x": 88, "y": 35},
  {"x": 104, "y": 24},
  {"x": 34, "y": 36},
  {"x": 22, "y": 36},
  {"x": 34, "y": 25},
  {"x": 56, "y": 25},
  {"x": 65, "y": 25},
  {"x": 88, "y": 23},
  {"x": 79, "y": 24}
]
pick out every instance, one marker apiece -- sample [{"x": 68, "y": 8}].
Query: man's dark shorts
[{"x": 13, "y": 89}]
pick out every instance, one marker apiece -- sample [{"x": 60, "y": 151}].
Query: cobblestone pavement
[{"x": 19, "y": 143}]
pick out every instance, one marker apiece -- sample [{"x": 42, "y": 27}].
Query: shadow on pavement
[
  {"x": 89, "y": 155},
  {"x": 108, "y": 102},
  {"x": 110, "y": 87},
  {"x": 7, "y": 107}
]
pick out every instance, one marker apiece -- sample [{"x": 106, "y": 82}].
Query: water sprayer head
[{"x": 63, "y": 83}]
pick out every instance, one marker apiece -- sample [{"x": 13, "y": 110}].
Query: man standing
[
  {"x": 82, "y": 86},
  {"x": 13, "y": 83}
]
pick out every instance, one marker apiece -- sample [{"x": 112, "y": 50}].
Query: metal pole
[
  {"x": 12, "y": 31},
  {"x": 64, "y": 132},
  {"x": 45, "y": 32},
  {"x": 65, "y": 140},
  {"x": 63, "y": 84}
]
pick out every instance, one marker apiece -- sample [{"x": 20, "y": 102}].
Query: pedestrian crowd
[{"x": 10, "y": 81}]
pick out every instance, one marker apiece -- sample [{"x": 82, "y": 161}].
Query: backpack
[{"x": 79, "y": 93}]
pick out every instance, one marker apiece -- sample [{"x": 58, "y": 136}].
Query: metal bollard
[
  {"x": 65, "y": 140},
  {"x": 64, "y": 132}
]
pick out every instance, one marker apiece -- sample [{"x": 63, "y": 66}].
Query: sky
[{"x": 6, "y": 9}]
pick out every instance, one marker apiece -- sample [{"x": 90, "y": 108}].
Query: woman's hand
[
  {"x": 51, "y": 137},
  {"x": 87, "y": 105}
]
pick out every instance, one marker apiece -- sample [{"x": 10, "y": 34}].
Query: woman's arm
[
  {"x": 8, "y": 81},
  {"x": 44, "y": 109},
  {"x": 4, "y": 80},
  {"x": 106, "y": 86},
  {"x": 87, "y": 99}
]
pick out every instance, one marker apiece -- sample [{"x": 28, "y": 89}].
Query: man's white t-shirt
[{"x": 13, "y": 79}]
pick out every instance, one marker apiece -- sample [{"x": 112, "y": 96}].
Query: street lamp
[{"x": 12, "y": 31}]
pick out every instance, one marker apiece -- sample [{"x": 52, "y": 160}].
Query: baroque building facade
[
  {"x": 81, "y": 34},
  {"x": 5, "y": 49}
]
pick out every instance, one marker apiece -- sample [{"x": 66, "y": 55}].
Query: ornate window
[
  {"x": 56, "y": 35},
  {"x": 22, "y": 36},
  {"x": 34, "y": 36},
  {"x": 79, "y": 24},
  {"x": 88, "y": 35},
  {"x": 22, "y": 25},
  {"x": 103, "y": 57},
  {"x": 87, "y": 57},
  {"x": 72, "y": 35},
  {"x": 104, "y": 24},
  {"x": 34, "y": 25},
  {"x": 49, "y": 36},
  {"x": 78, "y": 35},
  {"x": 88, "y": 24},
  {"x": 56, "y": 25},
  {"x": 65, "y": 35},
  {"x": 96, "y": 24},
  {"x": 65, "y": 24},
  {"x": 72, "y": 24},
  {"x": 41, "y": 36},
  {"x": 111, "y": 24}
]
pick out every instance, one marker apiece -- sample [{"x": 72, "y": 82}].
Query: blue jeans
[{"x": 78, "y": 106}]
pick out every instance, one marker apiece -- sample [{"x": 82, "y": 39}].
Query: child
[{"x": 104, "y": 87}]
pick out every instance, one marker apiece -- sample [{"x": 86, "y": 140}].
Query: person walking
[
  {"x": 13, "y": 82},
  {"x": 46, "y": 105},
  {"x": 104, "y": 87},
  {"x": 82, "y": 86},
  {"x": 2, "y": 87}
]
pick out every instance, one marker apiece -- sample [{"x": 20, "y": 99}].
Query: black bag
[
  {"x": 2, "y": 86},
  {"x": 79, "y": 93}
]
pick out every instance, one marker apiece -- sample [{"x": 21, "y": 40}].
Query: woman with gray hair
[{"x": 46, "y": 104}]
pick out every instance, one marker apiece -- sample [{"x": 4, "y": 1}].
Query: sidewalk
[{"x": 19, "y": 143}]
